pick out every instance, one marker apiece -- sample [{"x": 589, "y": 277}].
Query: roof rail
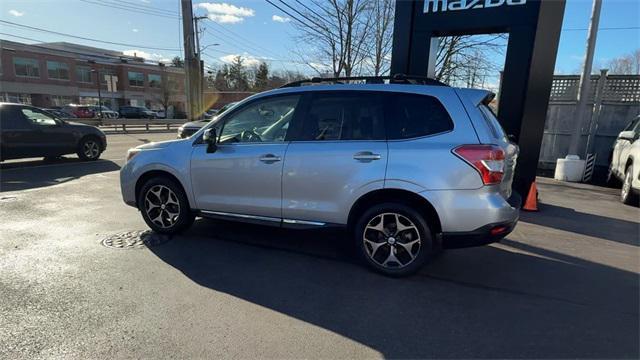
[{"x": 395, "y": 79}]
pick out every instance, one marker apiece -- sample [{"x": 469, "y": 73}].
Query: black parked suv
[
  {"x": 137, "y": 112},
  {"x": 26, "y": 132}
]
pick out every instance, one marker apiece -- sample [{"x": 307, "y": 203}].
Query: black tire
[
  {"x": 408, "y": 261},
  {"x": 612, "y": 180},
  {"x": 162, "y": 220},
  {"x": 89, "y": 148},
  {"x": 627, "y": 195}
]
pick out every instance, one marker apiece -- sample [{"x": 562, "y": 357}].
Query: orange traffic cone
[{"x": 531, "y": 204}]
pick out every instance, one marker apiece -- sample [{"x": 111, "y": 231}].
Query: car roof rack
[{"x": 395, "y": 79}]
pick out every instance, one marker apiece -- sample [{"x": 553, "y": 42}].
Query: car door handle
[
  {"x": 366, "y": 156},
  {"x": 270, "y": 158}
]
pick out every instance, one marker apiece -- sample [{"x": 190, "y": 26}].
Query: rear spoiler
[{"x": 476, "y": 96}]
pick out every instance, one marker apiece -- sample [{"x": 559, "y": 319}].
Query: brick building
[{"x": 56, "y": 74}]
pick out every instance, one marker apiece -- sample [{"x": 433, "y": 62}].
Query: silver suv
[{"x": 407, "y": 168}]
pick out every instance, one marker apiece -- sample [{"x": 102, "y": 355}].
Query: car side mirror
[
  {"x": 627, "y": 135},
  {"x": 210, "y": 137}
]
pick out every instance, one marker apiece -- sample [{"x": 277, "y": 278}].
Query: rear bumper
[{"x": 483, "y": 235}]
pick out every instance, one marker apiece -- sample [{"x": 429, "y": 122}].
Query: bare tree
[
  {"x": 468, "y": 60},
  {"x": 168, "y": 87},
  {"x": 382, "y": 13},
  {"x": 337, "y": 32},
  {"x": 628, "y": 64}
]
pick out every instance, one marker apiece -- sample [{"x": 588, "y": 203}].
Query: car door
[
  {"x": 339, "y": 154},
  {"x": 15, "y": 133},
  {"x": 243, "y": 177},
  {"x": 49, "y": 136}
]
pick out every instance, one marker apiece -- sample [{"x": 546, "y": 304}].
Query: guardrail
[{"x": 123, "y": 124}]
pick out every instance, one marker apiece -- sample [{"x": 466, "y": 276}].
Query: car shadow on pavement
[
  {"x": 494, "y": 301},
  {"x": 35, "y": 174},
  {"x": 567, "y": 219}
]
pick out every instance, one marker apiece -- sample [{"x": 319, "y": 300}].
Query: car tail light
[{"x": 488, "y": 160}]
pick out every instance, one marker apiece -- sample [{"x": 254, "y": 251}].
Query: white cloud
[
  {"x": 145, "y": 1},
  {"x": 147, "y": 56},
  {"x": 225, "y": 19},
  {"x": 135, "y": 30},
  {"x": 226, "y": 13},
  {"x": 280, "y": 19},
  {"x": 247, "y": 60},
  {"x": 16, "y": 13}
]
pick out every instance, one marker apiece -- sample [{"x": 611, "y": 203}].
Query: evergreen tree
[
  {"x": 261, "y": 77},
  {"x": 238, "y": 78}
]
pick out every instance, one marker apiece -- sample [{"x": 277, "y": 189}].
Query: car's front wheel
[
  {"x": 626, "y": 194},
  {"x": 394, "y": 239},
  {"x": 89, "y": 148},
  {"x": 164, "y": 206}
]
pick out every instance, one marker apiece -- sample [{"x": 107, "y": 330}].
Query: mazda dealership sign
[
  {"x": 533, "y": 28},
  {"x": 433, "y": 6}
]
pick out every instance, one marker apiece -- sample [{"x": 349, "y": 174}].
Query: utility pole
[
  {"x": 200, "y": 62},
  {"x": 585, "y": 79},
  {"x": 191, "y": 62}
]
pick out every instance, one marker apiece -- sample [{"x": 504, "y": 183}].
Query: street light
[{"x": 97, "y": 71}]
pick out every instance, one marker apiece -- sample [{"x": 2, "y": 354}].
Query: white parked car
[{"x": 625, "y": 162}]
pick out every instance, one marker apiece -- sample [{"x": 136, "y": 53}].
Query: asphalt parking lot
[{"x": 564, "y": 284}]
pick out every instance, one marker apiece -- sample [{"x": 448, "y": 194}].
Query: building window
[
  {"x": 83, "y": 73},
  {"x": 57, "y": 70},
  {"x": 155, "y": 80},
  {"x": 136, "y": 79},
  {"x": 26, "y": 67},
  {"x": 16, "y": 98},
  {"x": 59, "y": 100}
]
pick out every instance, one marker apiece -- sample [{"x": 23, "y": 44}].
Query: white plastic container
[{"x": 571, "y": 169}]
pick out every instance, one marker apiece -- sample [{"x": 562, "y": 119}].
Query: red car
[{"x": 80, "y": 111}]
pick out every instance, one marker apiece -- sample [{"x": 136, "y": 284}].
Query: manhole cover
[{"x": 138, "y": 239}]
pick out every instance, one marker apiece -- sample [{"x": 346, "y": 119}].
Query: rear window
[
  {"x": 492, "y": 122},
  {"x": 413, "y": 115}
]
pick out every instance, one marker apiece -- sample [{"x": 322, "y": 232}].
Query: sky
[{"x": 259, "y": 31}]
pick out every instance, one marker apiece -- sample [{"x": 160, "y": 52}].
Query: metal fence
[
  {"x": 614, "y": 100},
  {"x": 132, "y": 124}
]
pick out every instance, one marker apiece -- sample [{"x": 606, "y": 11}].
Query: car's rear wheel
[
  {"x": 164, "y": 206},
  {"x": 626, "y": 193},
  {"x": 394, "y": 239},
  {"x": 89, "y": 149}
]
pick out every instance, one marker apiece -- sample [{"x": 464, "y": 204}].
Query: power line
[
  {"x": 104, "y": 56},
  {"x": 131, "y": 9},
  {"x": 146, "y": 7},
  {"x": 295, "y": 18},
  {"x": 85, "y": 38},
  {"x": 605, "y": 28},
  {"x": 242, "y": 38},
  {"x": 303, "y": 15}
]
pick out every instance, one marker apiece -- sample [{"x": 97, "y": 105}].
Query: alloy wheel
[
  {"x": 162, "y": 206},
  {"x": 91, "y": 149},
  {"x": 391, "y": 240}
]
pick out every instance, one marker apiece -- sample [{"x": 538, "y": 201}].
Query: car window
[
  {"x": 11, "y": 119},
  {"x": 492, "y": 122},
  {"x": 632, "y": 124},
  {"x": 636, "y": 128},
  {"x": 261, "y": 121},
  {"x": 344, "y": 116},
  {"x": 38, "y": 117},
  {"x": 414, "y": 115}
]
